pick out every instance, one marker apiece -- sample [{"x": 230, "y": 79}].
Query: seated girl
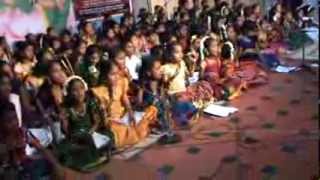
[
  {"x": 81, "y": 118},
  {"x": 129, "y": 70},
  {"x": 211, "y": 68},
  {"x": 89, "y": 68},
  {"x": 7, "y": 95},
  {"x": 26, "y": 60},
  {"x": 14, "y": 157},
  {"x": 127, "y": 126},
  {"x": 237, "y": 76},
  {"x": 151, "y": 91},
  {"x": 50, "y": 94}
]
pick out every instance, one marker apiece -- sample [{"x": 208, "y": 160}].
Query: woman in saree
[
  {"x": 127, "y": 128},
  {"x": 81, "y": 116}
]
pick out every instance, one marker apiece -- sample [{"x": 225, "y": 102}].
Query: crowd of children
[{"x": 74, "y": 85}]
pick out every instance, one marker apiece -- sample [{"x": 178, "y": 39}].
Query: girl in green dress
[{"x": 81, "y": 119}]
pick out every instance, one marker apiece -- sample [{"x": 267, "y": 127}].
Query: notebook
[
  {"x": 195, "y": 78},
  {"x": 100, "y": 140},
  {"x": 221, "y": 111}
]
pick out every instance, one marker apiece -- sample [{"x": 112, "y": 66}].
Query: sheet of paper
[
  {"x": 99, "y": 139},
  {"x": 137, "y": 115},
  {"x": 195, "y": 78},
  {"x": 15, "y": 99},
  {"x": 43, "y": 135},
  {"x": 30, "y": 150},
  {"x": 285, "y": 69},
  {"x": 221, "y": 111}
]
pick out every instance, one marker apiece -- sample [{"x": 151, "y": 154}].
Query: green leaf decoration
[
  {"x": 166, "y": 169},
  {"x": 216, "y": 134},
  {"x": 282, "y": 112},
  {"x": 193, "y": 150},
  {"x": 268, "y": 125}
]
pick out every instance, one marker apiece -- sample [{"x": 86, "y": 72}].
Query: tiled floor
[{"x": 274, "y": 136}]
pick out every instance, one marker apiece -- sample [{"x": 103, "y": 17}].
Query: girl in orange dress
[
  {"x": 231, "y": 79},
  {"x": 113, "y": 95}
]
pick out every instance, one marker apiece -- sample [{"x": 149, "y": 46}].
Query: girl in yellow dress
[{"x": 113, "y": 95}]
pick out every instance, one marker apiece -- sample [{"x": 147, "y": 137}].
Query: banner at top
[{"x": 96, "y": 8}]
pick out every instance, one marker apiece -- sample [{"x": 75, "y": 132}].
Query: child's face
[
  {"x": 156, "y": 71},
  {"x": 110, "y": 33},
  {"x": 95, "y": 58},
  {"x": 257, "y": 10},
  {"x": 56, "y": 44},
  {"x": 78, "y": 91},
  {"x": 232, "y": 33},
  {"x": 5, "y": 87},
  {"x": 184, "y": 31},
  {"x": 89, "y": 29},
  {"x": 6, "y": 69},
  {"x": 120, "y": 60},
  {"x": 1, "y": 52},
  {"x": 289, "y": 16},
  {"x": 66, "y": 38},
  {"x": 29, "y": 52},
  {"x": 116, "y": 29},
  {"x": 214, "y": 48},
  {"x": 197, "y": 43},
  {"x": 130, "y": 49},
  {"x": 57, "y": 75},
  {"x": 113, "y": 75},
  {"x": 135, "y": 41},
  {"x": 240, "y": 20},
  {"x": 82, "y": 48},
  {"x": 279, "y": 7},
  {"x": 177, "y": 53}
]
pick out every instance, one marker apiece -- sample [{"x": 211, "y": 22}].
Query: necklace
[{"x": 81, "y": 114}]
